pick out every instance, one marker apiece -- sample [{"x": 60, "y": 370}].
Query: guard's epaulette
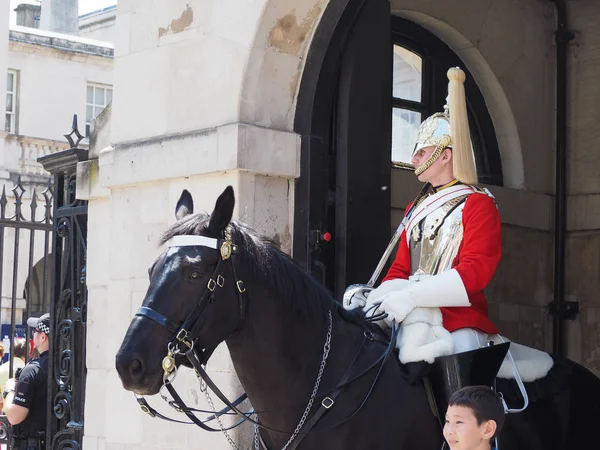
[{"x": 482, "y": 190}]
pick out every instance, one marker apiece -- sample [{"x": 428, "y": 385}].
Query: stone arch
[
  {"x": 278, "y": 62},
  {"x": 507, "y": 132}
]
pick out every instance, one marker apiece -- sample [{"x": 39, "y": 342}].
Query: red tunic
[{"x": 475, "y": 262}]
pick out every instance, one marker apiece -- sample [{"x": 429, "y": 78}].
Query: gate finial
[{"x": 75, "y": 131}]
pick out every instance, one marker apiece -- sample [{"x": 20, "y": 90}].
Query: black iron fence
[
  {"x": 25, "y": 267},
  {"x": 42, "y": 269},
  {"x": 68, "y": 303}
]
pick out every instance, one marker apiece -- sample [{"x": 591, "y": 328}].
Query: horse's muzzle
[{"x": 134, "y": 374}]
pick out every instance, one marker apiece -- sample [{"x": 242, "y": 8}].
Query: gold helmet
[{"x": 450, "y": 129}]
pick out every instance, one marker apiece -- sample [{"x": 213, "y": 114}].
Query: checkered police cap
[{"x": 40, "y": 323}]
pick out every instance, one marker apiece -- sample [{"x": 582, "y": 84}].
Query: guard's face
[
  {"x": 421, "y": 156},
  {"x": 462, "y": 432},
  {"x": 438, "y": 167}
]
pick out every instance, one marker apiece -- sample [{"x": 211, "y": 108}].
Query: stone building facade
[
  {"x": 49, "y": 77},
  {"x": 210, "y": 93}
]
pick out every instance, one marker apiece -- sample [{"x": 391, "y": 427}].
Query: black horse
[{"x": 276, "y": 331}]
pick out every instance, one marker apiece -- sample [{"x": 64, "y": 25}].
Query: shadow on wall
[{"x": 37, "y": 289}]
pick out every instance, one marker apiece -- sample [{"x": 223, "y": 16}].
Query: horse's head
[{"x": 192, "y": 287}]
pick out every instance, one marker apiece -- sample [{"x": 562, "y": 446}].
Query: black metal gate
[
  {"x": 68, "y": 304},
  {"x": 25, "y": 266},
  {"x": 42, "y": 256}
]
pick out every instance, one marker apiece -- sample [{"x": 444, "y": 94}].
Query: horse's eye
[{"x": 194, "y": 275}]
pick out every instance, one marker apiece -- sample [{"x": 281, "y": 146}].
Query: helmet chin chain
[{"x": 445, "y": 141}]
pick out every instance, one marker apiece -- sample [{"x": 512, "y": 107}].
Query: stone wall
[
  {"x": 128, "y": 212},
  {"x": 516, "y": 73},
  {"x": 99, "y": 25},
  {"x": 174, "y": 124},
  {"x": 583, "y": 246}
]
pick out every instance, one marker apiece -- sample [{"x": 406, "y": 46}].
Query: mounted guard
[{"x": 450, "y": 244}]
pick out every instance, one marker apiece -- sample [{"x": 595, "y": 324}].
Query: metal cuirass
[{"x": 435, "y": 240}]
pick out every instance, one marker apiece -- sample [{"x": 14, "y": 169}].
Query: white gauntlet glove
[
  {"x": 443, "y": 290},
  {"x": 377, "y": 295}
]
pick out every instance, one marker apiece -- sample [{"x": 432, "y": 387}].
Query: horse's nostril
[{"x": 136, "y": 369}]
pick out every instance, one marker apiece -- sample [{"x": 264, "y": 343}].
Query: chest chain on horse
[{"x": 185, "y": 338}]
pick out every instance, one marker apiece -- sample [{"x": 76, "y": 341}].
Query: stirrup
[{"x": 519, "y": 382}]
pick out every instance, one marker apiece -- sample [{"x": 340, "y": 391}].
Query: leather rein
[{"x": 185, "y": 337}]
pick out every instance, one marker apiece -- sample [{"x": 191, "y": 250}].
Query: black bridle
[{"x": 186, "y": 334}]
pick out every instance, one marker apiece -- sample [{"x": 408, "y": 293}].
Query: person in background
[
  {"x": 18, "y": 357},
  {"x": 25, "y": 397}
]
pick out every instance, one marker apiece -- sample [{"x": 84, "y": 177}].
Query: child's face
[{"x": 462, "y": 432}]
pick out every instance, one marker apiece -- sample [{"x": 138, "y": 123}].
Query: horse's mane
[{"x": 272, "y": 267}]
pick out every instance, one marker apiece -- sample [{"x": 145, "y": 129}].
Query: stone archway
[
  {"x": 276, "y": 61},
  {"x": 507, "y": 132}
]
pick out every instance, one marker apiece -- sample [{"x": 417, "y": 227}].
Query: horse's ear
[
  {"x": 185, "y": 205},
  {"x": 223, "y": 212}
]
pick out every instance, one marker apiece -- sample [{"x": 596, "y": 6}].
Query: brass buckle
[
  {"x": 147, "y": 411},
  {"x": 220, "y": 281},
  {"x": 175, "y": 406},
  {"x": 240, "y": 286},
  {"x": 181, "y": 337},
  {"x": 212, "y": 284},
  {"x": 327, "y": 402}
]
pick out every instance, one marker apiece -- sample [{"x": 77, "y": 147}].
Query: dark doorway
[{"x": 344, "y": 185}]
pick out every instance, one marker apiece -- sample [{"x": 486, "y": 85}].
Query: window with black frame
[
  {"x": 407, "y": 103},
  {"x": 420, "y": 63}
]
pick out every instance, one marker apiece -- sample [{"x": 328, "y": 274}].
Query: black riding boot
[{"x": 453, "y": 372}]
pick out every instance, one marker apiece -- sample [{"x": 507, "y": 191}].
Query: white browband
[{"x": 192, "y": 241}]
